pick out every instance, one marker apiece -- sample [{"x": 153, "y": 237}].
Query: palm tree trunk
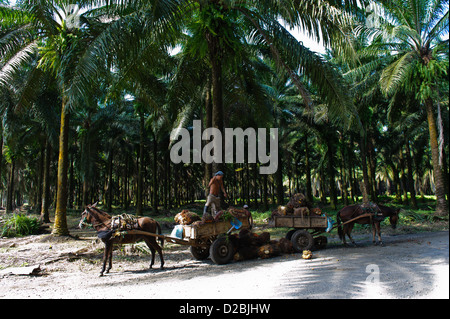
[
  {"x": 46, "y": 184},
  {"x": 344, "y": 172},
  {"x": 279, "y": 178},
  {"x": 411, "y": 187},
  {"x": 445, "y": 169},
  {"x": 60, "y": 225},
  {"x": 322, "y": 195},
  {"x": 215, "y": 58},
  {"x": 351, "y": 165},
  {"x": 165, "y": 178},
  {"x": 125, "y": 201},
  {"x": 365, "y": 184},
  {"x": 265, "y": 193},
  {"x": 85, "y": 193},
  {"x": 255, "y": 184},
  {"x": 40, "y": 180},
  {"x": 331, "y": 176},
  {"x": 397, "y": 184},
  {"x": 71, "y": 184},
  {"x": 403, "y": 180},
  {"x": 441, "y": 203},
  {"x": 109, "y": 193},
  {"x": 155, "y": 172},
  {"x": 169, "y": 185},
  {"x": 372, "y": 170},
  {"x": 141, "y": 167},
  {"x": 10, "y": 196},
  {"x": 208, "y": 116},
  {"x": 247, "y": 184}
]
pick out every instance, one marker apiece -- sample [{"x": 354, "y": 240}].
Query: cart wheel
[
  {"x": 302, "y": 240},
  {"x": 290, "y": 233},
  {"x": 221, "y": 251},
  {"x": 200, "y": 253},
  {"x": 320, "y": 242}
]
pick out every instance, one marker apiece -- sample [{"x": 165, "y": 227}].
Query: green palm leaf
[{"x": 397, "y": 73}]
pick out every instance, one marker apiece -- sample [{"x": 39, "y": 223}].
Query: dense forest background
[{"x": 90, "y": 92}]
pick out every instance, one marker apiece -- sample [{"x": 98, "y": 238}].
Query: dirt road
[{"x": 409, "y": 266}]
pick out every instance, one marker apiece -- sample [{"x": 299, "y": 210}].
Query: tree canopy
[{"x": 91, "y": 91}]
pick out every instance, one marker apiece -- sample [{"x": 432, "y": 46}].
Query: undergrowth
[{"x": 19, "y": 225}]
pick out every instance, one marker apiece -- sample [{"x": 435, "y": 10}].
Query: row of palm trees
[{"x": 110, "y": 67}]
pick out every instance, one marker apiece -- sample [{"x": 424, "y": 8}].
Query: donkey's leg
[
  {"x": 378, "y": 228},
  {"x": 111, "y": 248},
  {"x": 161, "y": 258},
  {"x": 374, "y": 230},
  {"x": 344, "y": 233},
  {"x": 105, "y": 257},
  {"x": 149, "y": 243},
  {"x": 349, "y": 231},
  {"x": 158, "y": 248}
]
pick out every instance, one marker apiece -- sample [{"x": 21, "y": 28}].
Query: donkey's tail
[
  {"x": 340, "y": 232},
  {"x": 161, "y": 239}
]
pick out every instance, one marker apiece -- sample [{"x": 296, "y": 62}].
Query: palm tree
[
  {"x": 220, "y": 30},
  {"x": 410, "y": 33},
  {"x": 47, "y": 36}
]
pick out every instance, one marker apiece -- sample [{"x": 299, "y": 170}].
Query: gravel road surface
[{"x": 409, "y": 266}]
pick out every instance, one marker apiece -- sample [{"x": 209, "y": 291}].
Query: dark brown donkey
[
  {"x": 101, "y": 222},
  {"x": 354, "y": 211}
]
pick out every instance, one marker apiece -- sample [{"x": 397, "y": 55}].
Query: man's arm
[{"x": 211, "y": 181}]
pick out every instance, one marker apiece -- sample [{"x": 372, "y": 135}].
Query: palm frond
[
  {"x": 23, "y": 57},
  {"x": 439, "y": 29},
  {"x": 396, "y": 73}
]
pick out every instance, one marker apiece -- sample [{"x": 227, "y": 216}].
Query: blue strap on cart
[
  {"x": 330, "y": 224},
  {"x": 236, "y": 223}
]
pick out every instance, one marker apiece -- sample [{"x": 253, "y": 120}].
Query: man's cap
[{"x": 218, "y": 173}]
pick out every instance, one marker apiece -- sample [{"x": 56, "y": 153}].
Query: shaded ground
[{"x": 410, "y": 266}]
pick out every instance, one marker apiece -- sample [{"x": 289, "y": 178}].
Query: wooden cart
[
  {"x": 304, "y": 235},
  {"x": 206, "y": 240}
]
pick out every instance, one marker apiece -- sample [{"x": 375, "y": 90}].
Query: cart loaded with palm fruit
[
  {"x": 217, "y": 238},
  {"x": 306, "y": 224},
  {"x": 210, "y": 237}
]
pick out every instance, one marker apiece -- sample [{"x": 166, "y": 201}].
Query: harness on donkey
[
  {"x": 373, "y": 211},
  {"x": 119, "y": 223}
]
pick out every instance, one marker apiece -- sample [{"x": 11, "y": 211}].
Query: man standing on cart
[{"x": 215, "y": 186}]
